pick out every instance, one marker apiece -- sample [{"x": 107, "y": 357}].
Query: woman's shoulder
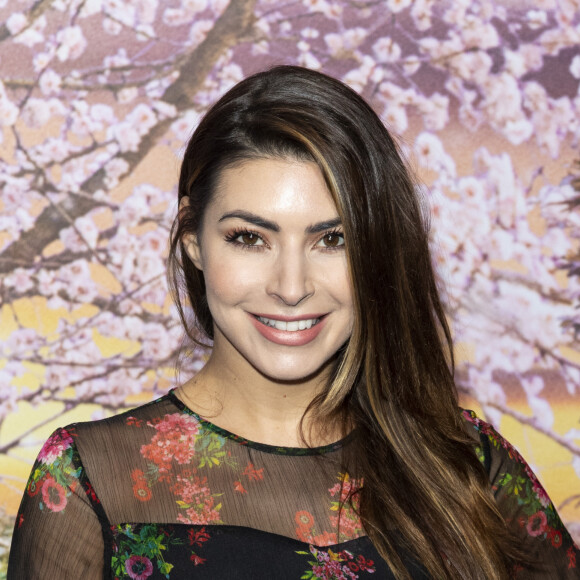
[
  {"x": 146, "y": 414},
  {"x": 494, "y": 446},
  {"x": 105, "y": 444},
  {"x": 521, "y": 498},
  {"x": 493, "y": 449}
]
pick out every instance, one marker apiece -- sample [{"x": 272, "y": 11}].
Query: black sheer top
[{"x": 158, "y": 492}]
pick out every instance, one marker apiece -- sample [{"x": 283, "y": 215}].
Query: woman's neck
[{"x": 239, "y": 399}]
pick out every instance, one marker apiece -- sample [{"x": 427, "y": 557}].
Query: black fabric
[
  {"x": 486, "y": 452},
  {"x": 158, "y": 492}
]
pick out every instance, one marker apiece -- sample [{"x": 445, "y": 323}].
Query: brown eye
[
  {"x": 332, "y": 240},
  {"x": 245, "y": 239},
  {"x": 249, "y": 239}
]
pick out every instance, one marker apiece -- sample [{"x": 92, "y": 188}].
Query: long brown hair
[{"x": 425, "y": 492}]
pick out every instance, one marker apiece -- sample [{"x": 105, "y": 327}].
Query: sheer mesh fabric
[
  {"x": 258, "y": 486},
  {"x": 160, "y": 493}
]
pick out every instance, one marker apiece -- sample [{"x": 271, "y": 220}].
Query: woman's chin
[{"x": 295, "y": 373}]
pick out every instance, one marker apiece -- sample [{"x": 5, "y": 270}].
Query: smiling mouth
[{"x": 291, "y": 326}]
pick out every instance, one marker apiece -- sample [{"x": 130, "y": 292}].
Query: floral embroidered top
[{"x": 158, "y": 492}]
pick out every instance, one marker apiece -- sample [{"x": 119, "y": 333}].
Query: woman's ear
[
  {"x": 190, "y": 242},
  {"x": 193, "y": 250}
]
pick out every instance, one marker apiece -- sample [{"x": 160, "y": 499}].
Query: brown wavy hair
[{"x": 425, "y": 492}]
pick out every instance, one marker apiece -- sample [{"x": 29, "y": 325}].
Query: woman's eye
[
  {"x": 247, "y": 239},
  {"x": 332, "y": 240},
  {"x": 250, "y": 239}
]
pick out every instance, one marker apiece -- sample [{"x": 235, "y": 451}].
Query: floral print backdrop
[{"x": 97, "y": 100}]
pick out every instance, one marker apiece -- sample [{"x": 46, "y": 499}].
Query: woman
[{"x": 322, "y": 439}]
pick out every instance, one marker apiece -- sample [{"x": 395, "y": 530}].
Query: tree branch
[
  {"x": 37, "y": 10},
  {"x": 16, "y": 441},
  {"x": 234, "y": 24}
]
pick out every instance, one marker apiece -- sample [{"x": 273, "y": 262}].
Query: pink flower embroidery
[
  {"x": 139, "y": 567},
  {"x": 537, "y": 487},
  {"x": 174, "y": 440},
  {"x": 53, "y": 495},
  {"x": 329, "y": 565},
  {"x": 347, "y": 520},
  {"x": 537, "y": 524},
  {"x": 197, "y": 500},
  {"x": 55, "y": 445}
]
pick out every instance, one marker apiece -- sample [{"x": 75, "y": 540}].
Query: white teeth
[{"x": 292, "y": 326}]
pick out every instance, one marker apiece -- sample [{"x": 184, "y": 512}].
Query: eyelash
[
  {"x": 334, "y": 232},
  {"x": 231, "y": 238}
]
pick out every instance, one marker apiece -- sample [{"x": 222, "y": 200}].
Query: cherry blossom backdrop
[{"x": 97, "y": 99}]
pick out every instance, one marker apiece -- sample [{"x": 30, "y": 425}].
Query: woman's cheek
[{"x": 231, "y": 280}]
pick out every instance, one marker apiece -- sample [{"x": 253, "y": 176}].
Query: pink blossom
[
  {"x": 575, "y": 67},
  {"x": 308, "y": 60},
  {"x": 435, "y": 111},
  {"x": 23, "y": 340},
  {"x": 8, "y": 112},
  {"x": 316, "y": 5},
  {"x": 310, "y": 33},
  {"x": 185, "y": 125},
  {"x": 41, "y": 60},
  {"x": 386, "y": 50},
  {"x": 194, "y": 6},
  {"x": 38, "y": 112},
  {"x": 396, "y": 119},
  {"x": 515, "y": 63},
  {"x": 430, "y": 153},
  {"x": 477, "y": 33},
  {"x": 126, "y": 135},
  {"x": 421, "y": 13},
  {"x": 398, "y": 5},
  {"x": 115, "y": 169},
  {"x": 16, "y": 23},
  {"x": 111, "y": 26},
  {"x": 230, "y": 74},
  {"x": 346, "y": 41},
  {"x": 50, "y": 82},
  {"x": 536, "y": 18},
  {"x": 176, "y": 16},
  {"x": 20, "y": 279},
  {"x": 90, "y": 7},
  {"x": 119, "y": 59},
  {"x": 102, "y": 114},
  {"x": 72, "y": 43},
  {"x": 156, "y": 344},
  {"x": 518, "y": 131},
  {"x": 199, "y": 30},
  {"x": 120, "y": 10},
  {"x": 146, "y": 11}
]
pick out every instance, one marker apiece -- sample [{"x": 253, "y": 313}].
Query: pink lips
[{"x": 285, "y": 337}]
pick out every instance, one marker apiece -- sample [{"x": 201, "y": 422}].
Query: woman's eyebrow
[
  {"x": 273, "y": 226},
  {"x": 322, "y": 226},
  {"x": 252, "y": 218}
]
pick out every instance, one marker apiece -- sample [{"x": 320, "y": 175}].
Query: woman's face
[{"x": 272, "y": 253}]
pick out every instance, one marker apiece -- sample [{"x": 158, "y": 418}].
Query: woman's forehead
[{"x": 275, "y": 187}]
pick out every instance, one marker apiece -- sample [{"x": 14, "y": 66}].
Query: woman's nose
[{"x": 291, "y": 278}]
